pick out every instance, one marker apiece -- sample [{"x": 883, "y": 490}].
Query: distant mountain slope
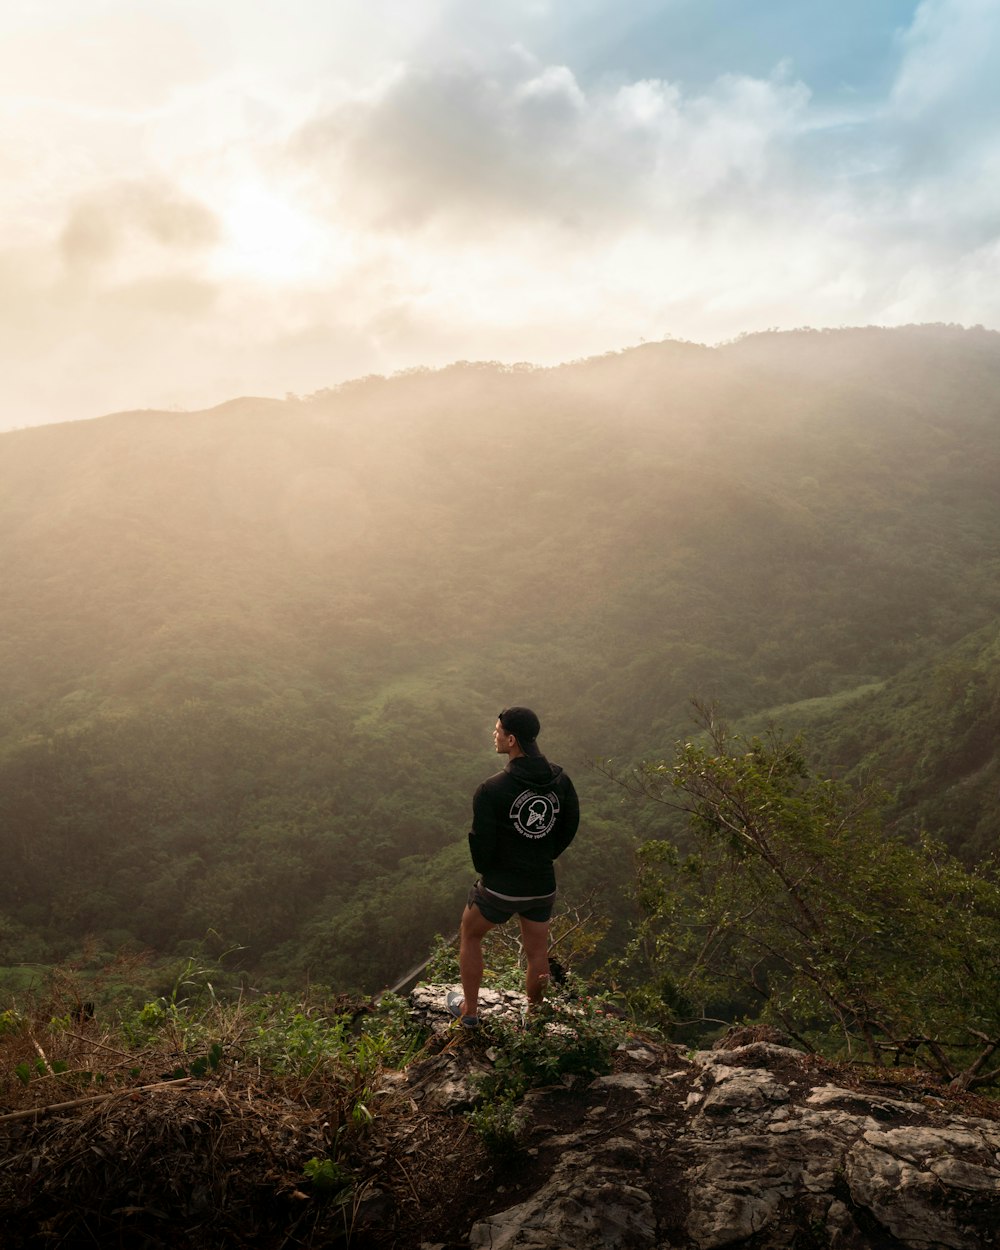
[
  {"x": 930, "y": 735},
  {"x": 250, "y": 657}
]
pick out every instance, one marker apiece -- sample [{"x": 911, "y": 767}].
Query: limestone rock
[
  {"x": 931, "y": 1187},
  {"x": 749, "y": 1147},
  {"x": 589, "y": 1200},
  {"x": 429, "y": 1003}
]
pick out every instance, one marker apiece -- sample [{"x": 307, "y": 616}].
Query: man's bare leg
[
  {"x": 535, "y": 940},
  {"x": 474, "y": 928}
]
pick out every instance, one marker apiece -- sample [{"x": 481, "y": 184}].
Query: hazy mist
[{"x": 250, "y": 658}]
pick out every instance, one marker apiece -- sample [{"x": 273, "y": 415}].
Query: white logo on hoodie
[{"x": 534, "y": 814}]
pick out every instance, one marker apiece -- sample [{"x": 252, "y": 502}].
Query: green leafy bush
[
  {"x": 329, "y": 1179},
  {"x": 499, "y": 1123},
  {"x": 796, "y": 902},
  {"x": 563, "y": 1039}
]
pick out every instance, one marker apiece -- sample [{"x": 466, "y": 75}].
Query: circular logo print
[{"x": 534, "y": 814}]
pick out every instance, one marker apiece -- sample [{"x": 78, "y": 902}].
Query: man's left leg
[
  {"x": 535, "y": 940},
  {"x": 474, "y": 928}
]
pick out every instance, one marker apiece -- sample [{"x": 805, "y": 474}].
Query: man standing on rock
[{"x": 523, "y": 818}]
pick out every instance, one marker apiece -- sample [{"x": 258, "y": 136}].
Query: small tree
[{"x": 795, "y": 897}]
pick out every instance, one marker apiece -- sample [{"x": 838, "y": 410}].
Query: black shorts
[{"x": 499, "y": 910}]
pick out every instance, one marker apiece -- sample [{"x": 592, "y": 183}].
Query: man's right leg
[{"x": 474, "y": 928}]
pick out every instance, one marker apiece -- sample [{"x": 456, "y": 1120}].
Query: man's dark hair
[{"x": 524, "y": 725}]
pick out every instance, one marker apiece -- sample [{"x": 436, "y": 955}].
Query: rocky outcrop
[{"x": 760, "y": 1147}]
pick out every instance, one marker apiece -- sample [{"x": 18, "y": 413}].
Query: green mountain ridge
[
  {"x": 250, "y": 657},
  {"x": 930, "y": 735}
]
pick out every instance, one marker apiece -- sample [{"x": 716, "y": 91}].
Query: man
[{"x": 523, "y": 818}]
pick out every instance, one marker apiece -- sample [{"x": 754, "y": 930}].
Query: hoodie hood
[{"x": 534, "y": 771}]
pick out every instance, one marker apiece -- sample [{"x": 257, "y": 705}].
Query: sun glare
[{"x": 267, "y": 238}]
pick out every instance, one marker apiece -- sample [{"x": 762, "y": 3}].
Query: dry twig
[{"x": 38, "y": 1112}]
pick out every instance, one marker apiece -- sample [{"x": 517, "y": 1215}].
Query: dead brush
[{"x": 208, "y": 1124}]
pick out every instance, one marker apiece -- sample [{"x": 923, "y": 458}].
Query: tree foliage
[{"x": 794, "y": 900}]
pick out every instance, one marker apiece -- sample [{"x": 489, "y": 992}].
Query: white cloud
[
  {"x": 950, "y": 59},
  {"x": 477, "y": 147},
  {"x": 938, "y": 129},
  {"x": 135, "y": 215},
  {"x": 552, "y": 92},
  {"x": 287, "y": 200}
]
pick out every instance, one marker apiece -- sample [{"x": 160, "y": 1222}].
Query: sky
[{"x": 203, "y": 199}]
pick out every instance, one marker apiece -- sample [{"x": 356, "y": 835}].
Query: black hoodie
[{"x": 522, "y": 819}]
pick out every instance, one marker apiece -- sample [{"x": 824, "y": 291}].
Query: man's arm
[
  {"x": 568, "y": 821},
  {"x": 483, "y": 834}
]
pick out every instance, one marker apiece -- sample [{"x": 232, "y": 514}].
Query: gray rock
[
  {"x": 429, "y": 1003},
  {"x": 745, "y": 1147},
  {"x": 756, "y": 1054},
  {"x": 447, "y": 1082},
  {"x": 930, "y": 1186},
  {"x": 638, "y": 1081},
  {"x": 578, "y": 1207},
  {"x": 741, "y": 1089}
]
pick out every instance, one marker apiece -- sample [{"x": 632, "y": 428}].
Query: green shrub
[
  {"x": 499, "y": 1124},
  {"x": 329, "y": 1179},
  {"x": 795, "y": 902}
]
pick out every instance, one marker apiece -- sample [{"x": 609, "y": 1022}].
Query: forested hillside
[{"x": 250, "y": 658}]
